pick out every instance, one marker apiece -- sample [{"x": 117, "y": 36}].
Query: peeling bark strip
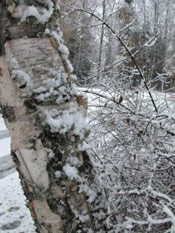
[{"x": 45, "y": 117}]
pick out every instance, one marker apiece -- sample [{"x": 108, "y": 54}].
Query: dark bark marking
[
  {"x": 8, "y": 113},
  {"x": 3, "y": 26}
]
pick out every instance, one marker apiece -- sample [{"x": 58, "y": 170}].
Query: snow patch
[
  {"x": 22, "y": 77},
  {"x": 83, "y": 188},
  {"x": 58, "y": 174},
  {"x": 63, "y": 49},
  {"x": 73, "y": 77},
  {"x": 2, "y": 123},
  {"x": 81, "y": 216},
  {"x": 41, "y": 14},
  {"x": 12, "y": 196},
  {"x": 65, "y": 120},
  {"x": 5, "y": 146},
  {"x": 70, "y": 171},
  {"x": 74, "y": 161},
  {"x": 74, "y": 89}
]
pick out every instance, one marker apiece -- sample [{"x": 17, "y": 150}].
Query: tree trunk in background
[
  {"x": 46, "y": 118},
  {"x": 101, "y": 42}
]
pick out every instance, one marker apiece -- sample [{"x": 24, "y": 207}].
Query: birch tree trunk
[{"x": 46, "y": 118}]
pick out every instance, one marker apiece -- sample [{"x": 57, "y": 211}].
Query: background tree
[{"x": 79, "y": 37}]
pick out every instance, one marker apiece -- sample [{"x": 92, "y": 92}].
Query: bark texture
[{"x": 45, "y": 117}]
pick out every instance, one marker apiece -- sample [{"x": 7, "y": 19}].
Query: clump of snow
[
  {"x": 62, "y": 90},
  {"x": 14, "y": 63},
  {"x": 64, "y": 77},
  {"x": 48, "y": 85},
  {"x": 65, "y": 120},
  {"x": 74, "y": 89},
  {"x": 68, "y": 63},
  {"x": 52, "y": 83},
  {"x": 73, "y": 77},
  {"x": 57, "y": 37},
  {"x": 74, "y": 161},
  {"x": 58, "y": 174},
  {"x": 50, "y": 153},
  {"x": 83, "y": 188},
  {"x": 63, "y": 49},
  {"x": 22, "y": 77},
  {"x": 70, "y": 171},
  {"x": 51, "y": 87},
  {"x": 59, "y": 100},
  {"x": 82, "y": 217},
  {"x": 40, "y": 89},
  {"x": 43, "y": 97},
  {"x": 47, "y": 31},
  {"x": 41, "y": 14}
]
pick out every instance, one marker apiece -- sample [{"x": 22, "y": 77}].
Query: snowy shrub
[{"x": 135, "y": 162}]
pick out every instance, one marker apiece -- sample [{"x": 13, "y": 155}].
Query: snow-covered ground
[
  {"x": 14, "y": 216},
  {"x": 4, "y": 146}
]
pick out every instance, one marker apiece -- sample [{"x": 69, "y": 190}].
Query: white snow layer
[
  {"x": 70, "y": 171},
  {"x": 63, "y": 49},
  {"x": 2, "y": 124},
  {"x": 83, "y": 188},
  {"x": 12, "y": 205},
  {"x": 5, "y": 147},
  {"x": 22, "y": 77},
  {"x": 65, "y": 120},
  {"x": 41, "y": 14}
]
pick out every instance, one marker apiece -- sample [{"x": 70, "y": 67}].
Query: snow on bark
[
  {"x": 41, "y": 14},
  {"x": 70, "y": 171}
]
